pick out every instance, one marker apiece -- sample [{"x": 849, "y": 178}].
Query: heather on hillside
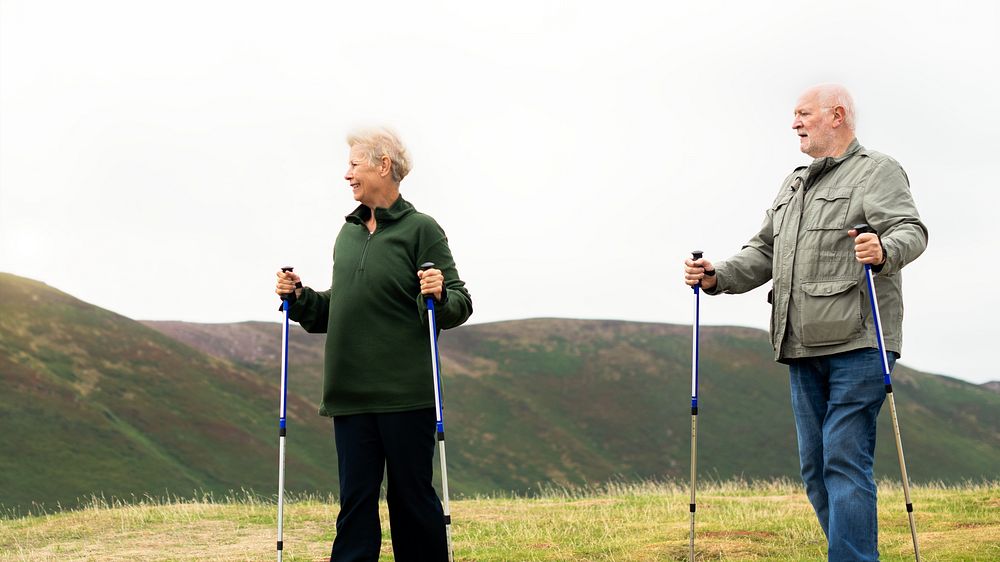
[{"x": 96, "y": 403}]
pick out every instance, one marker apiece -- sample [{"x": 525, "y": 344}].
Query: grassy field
[{"x": 736, "y": 521}]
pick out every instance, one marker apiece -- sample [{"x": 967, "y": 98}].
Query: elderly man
[
  {"x": 378, "y": 380},
  {"x": 821, "y": 324}
]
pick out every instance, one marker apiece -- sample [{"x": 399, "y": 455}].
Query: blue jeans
[{"x": 836, "y": 400}]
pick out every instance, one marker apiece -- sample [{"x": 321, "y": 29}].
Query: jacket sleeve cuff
[
  {"x": 422, "y": 300},
  {"x": 296, "y": 309},
  {"x": 887, "y": 266},
  {"x": 719, "y": 288}
]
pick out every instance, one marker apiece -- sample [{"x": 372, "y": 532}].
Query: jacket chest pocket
[
  {"x": 828, "y": 208},
  {"x": 831, "y": 312},
  {"x": 778, "y": 211}
]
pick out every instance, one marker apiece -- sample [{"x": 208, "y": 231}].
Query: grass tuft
[{"x": 618, "y": 520}]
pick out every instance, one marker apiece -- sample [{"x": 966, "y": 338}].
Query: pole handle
[
  {"x": 430, "y": 298},
  {"x": 697, "y": 255},
  {"x": 289, "y": 297},
  {"x": 864, "y": 229}
]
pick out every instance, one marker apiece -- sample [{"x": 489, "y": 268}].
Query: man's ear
[
  {"x": 839, "y": 115},
  {"x": 385, "y": 168}
]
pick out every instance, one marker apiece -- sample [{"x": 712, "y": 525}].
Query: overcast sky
[{"x": 162, "y": 160}]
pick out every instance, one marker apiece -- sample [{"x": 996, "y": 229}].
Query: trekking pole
[
  {"x": 695, "y": 255},
  {"x": 439, "y": 411},
  {"x": 287, "y": 299},
  {"x": 864, "y": 228}
]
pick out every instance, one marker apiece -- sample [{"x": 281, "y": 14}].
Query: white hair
[
  {"x": 382, "y": 141},
  {"x": 834, "y": 95}
]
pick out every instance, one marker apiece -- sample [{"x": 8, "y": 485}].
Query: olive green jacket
[
  {"x": 819, "y": 298},
  {"x": 377, "y": 340}
]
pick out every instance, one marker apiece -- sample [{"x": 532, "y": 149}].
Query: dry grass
[{"x": 612, "y": 522}]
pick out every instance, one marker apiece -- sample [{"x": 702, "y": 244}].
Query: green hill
[
  {"x": 95, "y": 402},
  {"x": 579, "y": 401}
]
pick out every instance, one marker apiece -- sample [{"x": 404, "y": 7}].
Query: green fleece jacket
[{"x": 377, "y": 344}]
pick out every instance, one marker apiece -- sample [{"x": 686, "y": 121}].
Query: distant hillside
[
  {"x": 992, "y": 386},
  {"x": 583, "y": 400},
  {"x": 257, "y": 346},
  {"x": 96, "y": 402}
]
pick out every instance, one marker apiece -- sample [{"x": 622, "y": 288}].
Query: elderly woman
[{"x": 377, "y": 383}]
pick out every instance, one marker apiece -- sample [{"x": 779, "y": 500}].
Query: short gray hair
[
  {"x": 382, "y": 141},
  {"x": 832, "y": 95}
]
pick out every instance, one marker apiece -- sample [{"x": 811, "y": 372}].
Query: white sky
[{"x": 163, "y": 160}]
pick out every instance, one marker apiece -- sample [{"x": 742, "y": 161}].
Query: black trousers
[{"x": 401, "y": 444}]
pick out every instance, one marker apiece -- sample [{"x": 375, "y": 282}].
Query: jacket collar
[
  {"x": 399, "y": 209},
  {"x": 821, "y": 166}
]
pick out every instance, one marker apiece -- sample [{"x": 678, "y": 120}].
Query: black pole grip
[
  {"x": 290, "y": 297},
  {"x": 865, "y": 229},
  {"x": 697, "y": 255},
  {"x": 424, "y": 267}
]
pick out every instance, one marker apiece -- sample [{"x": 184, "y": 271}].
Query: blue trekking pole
[
  {"x": 439, "y": 411},
  {"x": 287, "y": 299},
  {"x": 695, "y": 255},
  {"x": 862, "y": 229}
]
